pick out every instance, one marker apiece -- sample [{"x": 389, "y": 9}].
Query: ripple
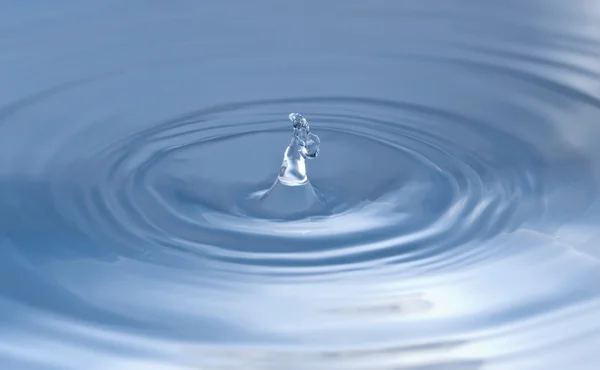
[
  {"x": 425, "y": 197},
  {"x": 458, "y": 174}
]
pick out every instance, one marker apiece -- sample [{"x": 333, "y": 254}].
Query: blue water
[{"x": 458, "y": 219}]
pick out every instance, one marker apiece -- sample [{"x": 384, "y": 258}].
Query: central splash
[
  {"x": 304, "y": 145},
  {"x": 292, "y": 194}
]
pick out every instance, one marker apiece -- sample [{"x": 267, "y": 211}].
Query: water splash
[
  {"x": 304, "y": 145},
  {"x": 292, "y": 195},
  {"x": 460, "y": 182}
]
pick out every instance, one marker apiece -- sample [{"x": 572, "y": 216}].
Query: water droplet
[
  {"x": 292, "y": 195},
  {"x": 312, "y": 146},
  {"x": 304, "y": 144},
  {"x": 298, "y": 121}
]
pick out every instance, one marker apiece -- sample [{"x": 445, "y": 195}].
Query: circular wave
[
  {"x": 459, "y": 190},
  {"x": 396, "y": 189}
]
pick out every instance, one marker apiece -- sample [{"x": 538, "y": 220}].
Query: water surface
[{"x": 459, "y": 170}]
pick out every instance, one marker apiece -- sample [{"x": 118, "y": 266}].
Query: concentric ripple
[
  {"x": 396, "y": 190},
  {"x": 458, "y": 174}
]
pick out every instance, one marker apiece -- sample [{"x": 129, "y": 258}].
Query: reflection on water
[{"x": 457, "y": 225}]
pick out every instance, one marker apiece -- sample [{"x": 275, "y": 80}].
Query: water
[
  {"x": 451, "y": 222},
  {"x": 304, "y": 145},
  {"x": 292, "y": 195}
]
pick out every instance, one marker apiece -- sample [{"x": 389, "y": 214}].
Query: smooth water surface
[{"x": 458, "y": 220}]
